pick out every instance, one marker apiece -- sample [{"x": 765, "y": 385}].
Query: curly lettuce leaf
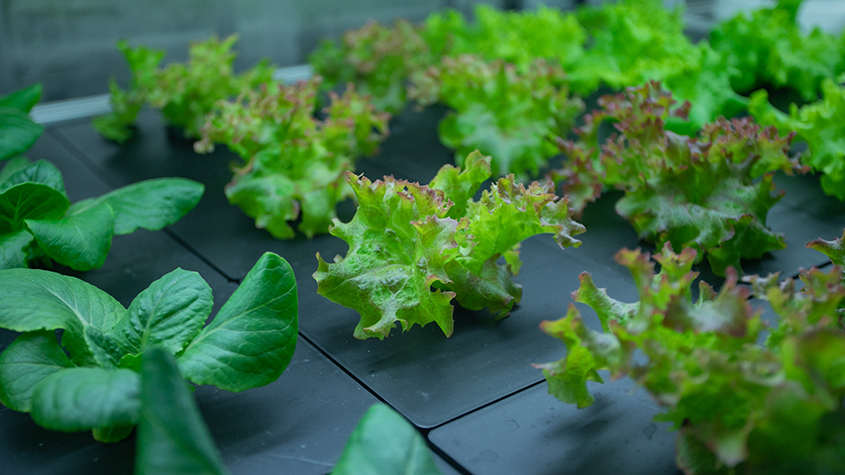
[
  {"x": 184, "y": 92},
  {"x": 632, "y": 41},
  {"x": 407, "y": 238},
  {"x": 294, "y": 163},
  {"x": 711, "y": 191},
  {"x": 768, "y": 47},
  {"x": 500, "y": 111},
  {"x": 734, "y": 400},
  {"x": 397, "y": 240},
  {"x": 516, "y": 37},
  {"x": 821, "y": 124}
]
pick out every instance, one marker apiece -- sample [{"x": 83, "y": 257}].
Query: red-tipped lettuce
[
  {"x": 711, "y": 192},
  {"x": 294, "y": 163},
  {"x": 735, "y": 402},
  {"x": 406, "y": 238},
  {"x": 499, "y": 110}
]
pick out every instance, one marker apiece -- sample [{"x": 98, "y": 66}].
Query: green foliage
[
  {"x": 384, "y": 442},
  {"x": 767, "y": 47},
  {"x": 294, "y": 162},
  {"x": 500, "y": 111},
  {"x": 378, "y": 59},
  {"x": 172, "y": 438},
  {"x": 96, "y": 385},
  {"x": 711, "y": 192},
  {"x": 184, "y": 92},
  {"x": 406, "y": 238},
  {"x": 17, "y": 130},
  {"x": 632, "y": 41},
  {"x": 39, "y": 224},
  {"x": 516, "y": 37},
  {"x": 741, "y": 407},
  {"x": 821, "y": 124}
]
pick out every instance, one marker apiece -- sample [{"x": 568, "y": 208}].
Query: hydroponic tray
[{"x": 474, "y": 396}]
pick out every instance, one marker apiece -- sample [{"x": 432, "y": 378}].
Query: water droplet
[{"x": 650, "y": 430}]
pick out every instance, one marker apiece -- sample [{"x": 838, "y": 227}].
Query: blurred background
[{"x": 69, "y": 45}]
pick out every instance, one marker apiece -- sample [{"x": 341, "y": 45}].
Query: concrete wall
[{"x": 69, "y": 45}]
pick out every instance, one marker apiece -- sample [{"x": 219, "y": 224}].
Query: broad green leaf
[
  {"x": 384, "y": 442},
  {"x": 169, "y": 313},
  {"x": 17, "y": 132},
  {"x": 33, "y": 300},
  {"x": 172, "y": 438},
  {"x": 23, "y": 99},
  {"x": 30, "y": 201},
  {"x": 78, "y": 399},
  {"x": 252, "y": 339},
  {"x": 27, "y": 361},
  {"x": 10, "y": 168},
  {"x": 40, "y": 171},
  {"x": 80, "y": 240},
  {"x": 13, "y": 249},
  {"x": 152, "y": 204},
  {"x": 106, "y": 350}
]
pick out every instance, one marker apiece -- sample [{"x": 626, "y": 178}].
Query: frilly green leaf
[
  {"x": 406, "y": 238},
  {"x": 742, "y": 407}
]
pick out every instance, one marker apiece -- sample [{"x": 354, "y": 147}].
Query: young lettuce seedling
[
  {"x": 294, "y": 162},
  {"x": 378, "y": 59},
  {"x": 741, "y": 407},
  {"x": 184, "y": 92},
  {"x": 821, "y": 124},
  {"x": 711, "y": 192},
  {"x": 500, "y": 111},
  {"x": 406, "y": 238},
  {"x": 38, "y": 222},
  {"x": 95, "y": 385}
]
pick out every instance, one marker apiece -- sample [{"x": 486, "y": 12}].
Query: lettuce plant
[
  {"x": 821, "y": 124},
  {"x": 184, "y": 92},
  {"x": 378, "y": 59},
  {"x": 499, "y": 111},
  {"x": 17, "y": 130},
  {"x": 294, "y": 163},
  {"x": 632, "y": 41},
  {"x": 39, "y": 224},
  {"x": 767, "y": 47},
  {"x": 516, "y": 37},
  {"x": 740, "y": 406},
  {"x": 406, "y": 238},
  {"x": 88, "y": 380},
  {"x": 635, "y": 41},
  {"x": 711, "y": 192}
]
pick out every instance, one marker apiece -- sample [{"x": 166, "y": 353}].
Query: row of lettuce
[{"x": 747, "y": 397}]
